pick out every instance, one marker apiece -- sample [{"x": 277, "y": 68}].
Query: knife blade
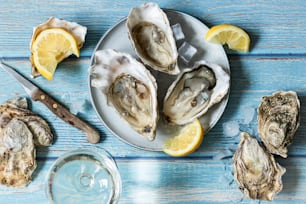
[{"x": 58, "y": 109}]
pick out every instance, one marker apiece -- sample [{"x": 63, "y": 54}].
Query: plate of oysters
[{"x": 153, "y": 72}]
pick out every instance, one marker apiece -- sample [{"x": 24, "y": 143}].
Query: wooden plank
[
  {"x": 276, "y": 62},
  {"x": 274, "y": 28},
  {"x": 151, "y": 180},
  {"x": 183, "y": 182},
  {"x": 251, "y": 79}
]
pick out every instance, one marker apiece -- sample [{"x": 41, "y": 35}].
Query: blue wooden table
[{"x": 277, "y": 61}]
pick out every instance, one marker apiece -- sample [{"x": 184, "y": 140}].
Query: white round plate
[{"x": 117, "y": 38}]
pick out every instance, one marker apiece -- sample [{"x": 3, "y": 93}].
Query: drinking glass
[{"x": 84, "y": 176}]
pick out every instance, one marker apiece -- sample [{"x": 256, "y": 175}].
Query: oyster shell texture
[
  {"x": 129, "y": 87},
  {"x": 78, "y": 32},
  {"x": 20, "y": 131},
  {"x": 17, "y": 108},
  {"x": 194, "y": 92},
  {"x": 152, "y": 37},
  {"x": 257, "y": 173},
  {"x": 278, "y": 120},
  {"x": 17, "y": 154}
]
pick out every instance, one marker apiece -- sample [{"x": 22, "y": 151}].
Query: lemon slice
[
  {"x": 189, "y": 139},
  {"x": 236, "y": 38},
  {"x": 50, "y": 47}
]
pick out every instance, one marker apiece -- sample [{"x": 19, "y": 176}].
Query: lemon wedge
[
  {"x": 50, "y": 47},
  {"x": 187, "y": 141},
  {"x": 236, "y": 38}
]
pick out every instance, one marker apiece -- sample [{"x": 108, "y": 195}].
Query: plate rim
[{"x": 224, "y": 100}]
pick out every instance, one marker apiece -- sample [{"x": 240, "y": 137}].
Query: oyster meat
[
  {"x": 17, "y": 154},
  {"x": 152, "y": 37},
  {"x": 278, "y": 120},
  {"x": 78, "y": 32},
  {"x": 256, "y": 172},
  {"x": 17, "y": 108},
  {"x": 194, "y": 92},
  {"x": 129, "y": 87}
]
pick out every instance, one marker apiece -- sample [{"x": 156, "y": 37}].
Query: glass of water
[{"x": 84, "y": 176}]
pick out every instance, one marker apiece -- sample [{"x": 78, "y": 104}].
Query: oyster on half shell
[
  {"x": 278, "y": 120},
  {"x": 129, "y": 87},
  {"x": 152, "y": 37},
  {"x": 194, "y": 92},
  {"x": 256, "y": 172}
]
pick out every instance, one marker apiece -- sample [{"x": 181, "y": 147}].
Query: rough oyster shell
[
  {"x": 194, "y": 92},
  {"x": 16, "y": 108},
  {"x": 129, "y": 87},
  {"x": 17, "y": 154},
  {"x": 255, "y": 170},
  {"x": 152, "y": 37},
  {"x": 78, "y": 32},
  {"x": 278, "y": 120}
]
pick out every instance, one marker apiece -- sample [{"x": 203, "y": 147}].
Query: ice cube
[
  {"x": 80, "y": 107},
  {"x": 65, "y": 97},
  {"x": 76, "y": 106},
  {"x": 223, "y": 154},
  {"x": 248, "y": 114},
  {"x": 178, "y": 32},
  {"x": 225, "y": 179},
  {"x": 252, "y": 130},
  {"x": 231, "y": 128},
  {"x": 186, "y": 52}
]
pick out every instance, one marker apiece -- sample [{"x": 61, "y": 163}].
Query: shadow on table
[
  {"x": 294, "y": 163},
  {"x": 292, "y": 176},
  {"x": 299, "y": 140},
  {"x": 41, "y": 165}
]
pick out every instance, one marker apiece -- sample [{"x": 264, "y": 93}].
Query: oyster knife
[{"x": 59, "y": 110}]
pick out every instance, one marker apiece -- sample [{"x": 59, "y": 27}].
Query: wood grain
[
  {"x": 173, "y": 181},
  {"x": 274, "y": 27},
  {"x": 277, "y": 61}
]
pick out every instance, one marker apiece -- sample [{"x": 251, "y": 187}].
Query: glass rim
[{"x": 98, "y": 153}]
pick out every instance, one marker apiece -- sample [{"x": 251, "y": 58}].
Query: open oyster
[
  {"x": 17, "y": 108},
  {"x": 152, "y": 37},
  {"x": 257, "y": 173},
  {"x": 78, "y": 32},
  {"x": 194, "y": 92},
  {"x": 129, "y": 87},
  {"x": 17, "y": 154},
  {"x": 278, "y": 120}
]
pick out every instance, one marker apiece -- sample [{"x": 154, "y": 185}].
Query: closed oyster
[
  {"x": 194, "y": 92},
  {"x": 152, "y": 37},
  {"x": 256, "y": 172},
  {"x": 278, "y": 120},
  {"x": 129, "y": 87},
  {"x": 78, "y": 32},
  {"x": 19, "y": 102},
  {"x": 17, "y": 108},
  {"x": 17, "y": 154}
]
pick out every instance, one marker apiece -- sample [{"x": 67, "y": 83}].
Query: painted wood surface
[{"x": 277, "y": 61}]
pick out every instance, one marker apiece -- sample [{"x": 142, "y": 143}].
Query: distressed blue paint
[
  {"x": 277, "y": 61},
  {"x": 275, "y": 27}
]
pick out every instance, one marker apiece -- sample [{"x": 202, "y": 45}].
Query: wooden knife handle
[{"x": 63, "y": 113}]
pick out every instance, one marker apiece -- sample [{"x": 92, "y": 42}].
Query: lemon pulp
[
  {"x": 187, "y": 141},
  {"x": 235, "y": 37},
  {"x": 50, "y": 47}
]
